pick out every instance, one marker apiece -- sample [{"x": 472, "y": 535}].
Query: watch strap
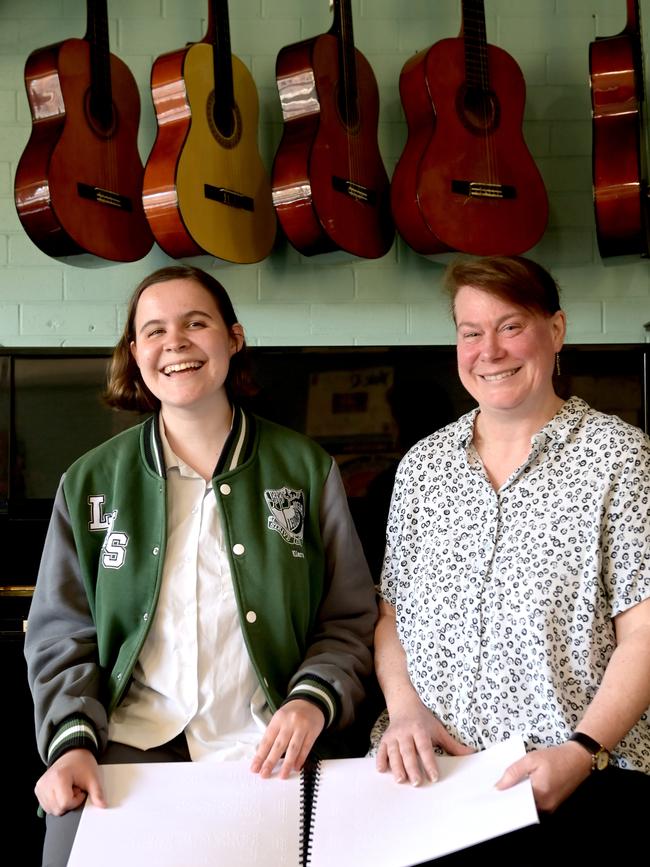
[
  {"x": 588, "y": 743},
  {"x": 599, "y": 754}
]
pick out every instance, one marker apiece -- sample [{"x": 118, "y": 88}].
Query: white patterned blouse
[{"x": 505, "y": 600}]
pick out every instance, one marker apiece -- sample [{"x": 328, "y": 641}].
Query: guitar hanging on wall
[
  {"x": 205, "y": 187},
  {"x": 330, "y": 187},
  {"x": 618, "y": 140},
  {"x": 466, "y": 179},
  {"x": 78, "y": 184}
]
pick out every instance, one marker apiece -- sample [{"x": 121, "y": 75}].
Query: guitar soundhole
[
  {"x": 102, "y": 118},
  {"x": 227, "y": 138},
  {"x": 478, "y": 109}
]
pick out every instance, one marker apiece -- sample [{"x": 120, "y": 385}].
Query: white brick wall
[{"x": 288, "y": 298}]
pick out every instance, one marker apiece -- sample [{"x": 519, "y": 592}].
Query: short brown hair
[
  {"x": 512, "y": 278},
  {"x": 125, "y": 388}
]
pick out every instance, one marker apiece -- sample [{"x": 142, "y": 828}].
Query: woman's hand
[
  {"x": 291, "y": 733},
  {"x": 407, "y": 747},
  {"x": 555, "y": 772},
  {"x": 66, "y": 783}
]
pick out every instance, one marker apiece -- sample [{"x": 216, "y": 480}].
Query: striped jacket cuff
[
  {"x": 73, "y": 733},
  {"x": 319, "y": 692}
]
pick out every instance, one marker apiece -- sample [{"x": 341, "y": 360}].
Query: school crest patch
[{"x": 287, "y": 508}]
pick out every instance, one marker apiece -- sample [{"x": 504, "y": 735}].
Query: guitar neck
[
  {"x": 218, "y": 35},
  {"x": 101, "y": 97},
  {"x": 633, "y": 24},
  {"x": 633, "y": 29},
  {"x": 475, "y": 38},
  {"x": 342, "y": 29}
]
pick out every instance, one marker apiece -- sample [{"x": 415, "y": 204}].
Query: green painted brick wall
[{"x": 332, "y": 299}]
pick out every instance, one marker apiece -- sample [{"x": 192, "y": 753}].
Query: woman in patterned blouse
[{"x": 515, "y": 591}]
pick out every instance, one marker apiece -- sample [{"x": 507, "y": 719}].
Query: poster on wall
[{"x": 349, "y": 412}]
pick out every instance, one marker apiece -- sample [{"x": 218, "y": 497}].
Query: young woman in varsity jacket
[{"x": 202, "y": 593}]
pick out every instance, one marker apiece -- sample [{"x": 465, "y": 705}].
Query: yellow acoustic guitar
[{"x": 205, "y": 188}]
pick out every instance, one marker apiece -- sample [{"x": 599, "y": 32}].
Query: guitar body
[
  {"x": 619, "y": 181},
  {"x": 477, "y": 185},
  {"x": 159, "y": 195},
  {"x": 202, "y": 192},
  {"x": 421, "y": 124},
  {"x": 330, "y": 187},
  {"x": 78, "y": 187}
]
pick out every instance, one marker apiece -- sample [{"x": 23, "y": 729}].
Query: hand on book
[
  {"x": 291, "y": 733},
  {"x": 66, "y": 783},
  {"x": 407, "y": 747},
  {"x": 554, "y": 772}
]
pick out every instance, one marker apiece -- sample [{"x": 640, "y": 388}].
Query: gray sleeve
[
  {"x": 60, "y": 642},
  {"x": 341, "y": 649}
]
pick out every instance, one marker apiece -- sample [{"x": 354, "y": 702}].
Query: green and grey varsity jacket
[{"x": 304, "y": 593}]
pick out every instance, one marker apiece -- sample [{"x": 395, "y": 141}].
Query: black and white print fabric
[{"x": 505, "y": 599}]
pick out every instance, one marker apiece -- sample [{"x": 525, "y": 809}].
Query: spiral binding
[{"x": 309, "y": 779}]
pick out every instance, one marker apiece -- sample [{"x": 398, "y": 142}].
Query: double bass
[
  {"x": 78, "y": 184},
  {"x": 330, "y": 188},
  {"x": 618, "y": 140},
  {"x": 466, "y": 179}
]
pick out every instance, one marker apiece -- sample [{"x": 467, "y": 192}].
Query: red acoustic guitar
[
  {"x": 205, "y": 187},
  {"x": 466, "y": 179},
  {"x": 78, "y": 185},
  {"x": 330, "y": 187},
  {"x": 618, "y": 140}
]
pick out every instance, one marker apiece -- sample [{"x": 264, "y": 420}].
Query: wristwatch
[{"x": 600, "y": 755}]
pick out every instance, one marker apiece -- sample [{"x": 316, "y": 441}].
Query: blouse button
[
  {"x": 238, "y": 549},
  {"x": 225, "y": 489},
  {"x": 251, "y": 616}
]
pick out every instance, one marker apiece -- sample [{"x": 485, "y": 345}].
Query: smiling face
[
  {"x": 506, "y": 352},
  {"x": 182, "y": 345}
]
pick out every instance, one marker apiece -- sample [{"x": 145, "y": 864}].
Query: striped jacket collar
[{"x": 237, "y": 449}]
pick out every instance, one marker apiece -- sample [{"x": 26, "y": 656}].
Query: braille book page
[
  {"x": 364, "y": 817},
  {"x": 190, "y": 813}
]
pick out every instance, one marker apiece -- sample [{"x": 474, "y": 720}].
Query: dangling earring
[{"x": 557, "y": 363}]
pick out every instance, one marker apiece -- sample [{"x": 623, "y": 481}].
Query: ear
[
  {"x": 236, "y": 337},
  {"x": 134, "y": 351},
  {"x": 558, "y": 328}
]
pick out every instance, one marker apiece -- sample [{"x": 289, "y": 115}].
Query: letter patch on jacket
[
  {"x": 287, "y": 508},
  {"x": 114, "y": 545}
]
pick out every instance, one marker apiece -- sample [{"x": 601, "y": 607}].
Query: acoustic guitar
[
  {"x": 618, "y": 140},
  {"x": 330, "y": 187},
  {"x": 205, "y": 187},
  {"x": 466, "y": 179},
  {"x": 78, "y": 184}
]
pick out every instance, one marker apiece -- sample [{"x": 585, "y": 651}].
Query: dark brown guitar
[
  {"x": 330, "y": 187},
  {"x": 618, "y": 140},
  {"x": 466, "y": 179},
  {"x": 78, "y": 185}
]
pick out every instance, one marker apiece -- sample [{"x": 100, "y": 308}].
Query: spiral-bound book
[{"x": 335, "y": 813}]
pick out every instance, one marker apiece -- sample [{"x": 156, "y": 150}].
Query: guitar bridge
[
  {"x": 104, "y": 197},
  {"x": 354, "y": 190},
  {"x": 481, "y": 190},
  {"x": 228, "y": 197}
]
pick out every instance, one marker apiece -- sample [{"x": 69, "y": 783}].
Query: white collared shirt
[{"x": 194, "y": 673}]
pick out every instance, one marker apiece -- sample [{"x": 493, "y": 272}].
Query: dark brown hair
[
  {"x": 512, "y": 278},
  {"x": 125, "y": 388}
]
